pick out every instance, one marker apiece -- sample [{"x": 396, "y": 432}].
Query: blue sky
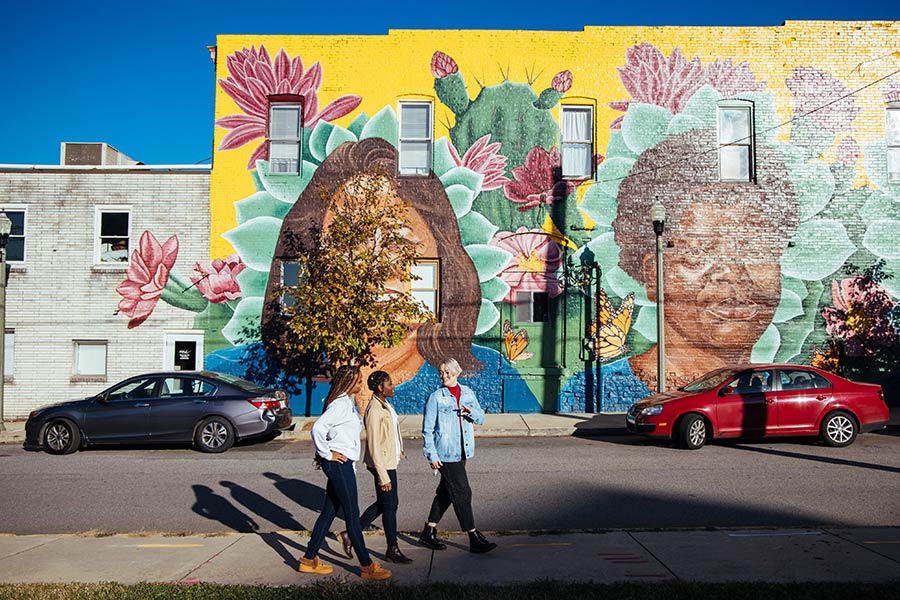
[{"x": 138, "y": 76}]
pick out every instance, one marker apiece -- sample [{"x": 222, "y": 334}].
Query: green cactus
[{"x": 512, "y": 113}]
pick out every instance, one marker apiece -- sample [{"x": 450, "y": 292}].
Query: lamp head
[{"x": 658, "y": 216}]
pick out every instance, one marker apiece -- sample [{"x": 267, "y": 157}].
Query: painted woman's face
[{"x": 722, "y": 278}]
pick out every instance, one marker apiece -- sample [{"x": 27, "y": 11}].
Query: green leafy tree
[{"x": 352, "y": 271}]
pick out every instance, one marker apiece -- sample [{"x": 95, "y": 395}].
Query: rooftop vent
[{"x": 92, "y": 153}]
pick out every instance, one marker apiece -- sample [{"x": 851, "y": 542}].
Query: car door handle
[
  {"x": 142, "y": 405},
  {"x": 199, "y": 401},
  {"x": 770, "y": 401},
  {"x": 821, "y": 397}
]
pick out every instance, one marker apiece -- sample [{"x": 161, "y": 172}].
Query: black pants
[
  {"x": 453, "y": 489},
  {"x": 385, "y": 505}
]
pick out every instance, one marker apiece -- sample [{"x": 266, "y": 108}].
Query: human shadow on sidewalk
[
  {"x": 210, "y": 505},
  {"x": 825, "y": 459},
  {"x": 307, "y": 495}
]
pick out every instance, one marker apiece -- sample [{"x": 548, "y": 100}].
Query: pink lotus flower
[
  {"x": 146, "y": 278},
  {"x": 442, "y": 65},
  {"x": 216, "y": 279},
  {"x": 835, "y": 108},
  {"x": 730, "y": 79},
  {"x": 485, "y": 158},
  {"x": 653, "y": 79},
  {"x": 861, "y": 315},
  {"x": 562, "y": 82},
  {"x": 253, "y": 77},
  {"x": 536, "y": 259},
  {"x": 539, "y": 180}
]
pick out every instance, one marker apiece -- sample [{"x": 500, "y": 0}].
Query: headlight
[
  {"x": 652, "y": 410},
  {"x": 35, "y": 413}
]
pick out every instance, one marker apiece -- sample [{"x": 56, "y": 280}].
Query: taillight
[{"x": 264, "y": 402}]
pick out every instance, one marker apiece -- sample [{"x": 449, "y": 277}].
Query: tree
[{"x": 353, "y": 271}]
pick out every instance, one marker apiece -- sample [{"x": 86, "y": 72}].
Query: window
[
  {"x": 735, "y": 124},
  {"x": 114, "y": 239},
  {"x": 755, "y": 382},
  {"x": 15, "y": 247},
  {"x": 285, "y": 129},
  {"x": 893, "y": 142},
  {"x": 425, "y": 289},
  {"x": 90, "y": 357},
  {"x": 577, "y": 137},
  {"x": 532, "y": 307},
  {"x": 415, "y": 138},
  {"x": 290, "y": 277},
  {"x": 183, "y": 386},
  {"x": 133, "y": 390},
  {"x": 9, "y": 353},
  {"x": 802, "y": 380}
]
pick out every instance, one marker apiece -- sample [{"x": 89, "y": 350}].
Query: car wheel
[
  {"x": 839, "y": 429},
  {"x": 214, "y": 434},
  {"x": 692, "y": 432},
  {"x": 61, "y": 437}
]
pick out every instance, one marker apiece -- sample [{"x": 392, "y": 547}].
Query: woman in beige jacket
[{"x": 384, "y": 449}]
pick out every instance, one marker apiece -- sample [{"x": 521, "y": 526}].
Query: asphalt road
[{"x": 519, "y": 484}]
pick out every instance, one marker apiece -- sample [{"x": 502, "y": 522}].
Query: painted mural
[{"x": 797, "y": 266}]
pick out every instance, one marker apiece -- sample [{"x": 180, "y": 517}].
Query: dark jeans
[
  {"x": 385, "y": 505},
  {"x": 340, "y": 492},
  {"x": 453, "y": 489}
]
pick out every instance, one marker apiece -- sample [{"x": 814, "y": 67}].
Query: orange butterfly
[
  {"x": 610, "y": 330},
  {"x": 515, "y": 343}
]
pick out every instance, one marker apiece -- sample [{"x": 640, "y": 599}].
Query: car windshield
[
  {"x": 710, "y": 380},
  {"x": 247, "y": 386}
]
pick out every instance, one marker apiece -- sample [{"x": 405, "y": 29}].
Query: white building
[{"x": 76, "y": 227}]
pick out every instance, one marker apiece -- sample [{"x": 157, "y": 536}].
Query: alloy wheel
[
  {"x": 697, "y": 433},
  {"x": 58, "y": 437},
  {"x": 214, "y": 434},
  {"x": 840, "y": 429}
]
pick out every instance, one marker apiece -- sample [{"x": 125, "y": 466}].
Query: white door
[{"x": 184, "y": 351}]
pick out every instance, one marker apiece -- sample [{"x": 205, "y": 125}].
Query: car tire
[
  {"x": 61, "y": 436},
  {"x": 839, "y": 429},
  {"x": 214, "y": 435},
  {"x": 692, "y": 432}
]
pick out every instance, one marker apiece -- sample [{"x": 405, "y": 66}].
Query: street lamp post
[
  {"x": 5, "y": 229},
  {"x": 658, "y": 216}
]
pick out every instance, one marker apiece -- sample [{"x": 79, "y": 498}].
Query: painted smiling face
[{"x": 722, "y": 276}]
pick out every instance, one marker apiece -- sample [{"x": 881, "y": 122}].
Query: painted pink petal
[
  {"x": 311, "y": 80},
  {"x": 339, "y": 108},
  {"x": 242, "y": 98},
  {"x": 296, "y": 72},
  {"x": 233, "y": 121},
  {"x": 265, "y": 75},
  {"x": 282, "y": 67},
  {"x": 261, "y": 153},
  {"x": 239, "y": 136}
]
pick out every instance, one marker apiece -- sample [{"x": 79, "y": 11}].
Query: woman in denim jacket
[{"x": 449, "y": 437}]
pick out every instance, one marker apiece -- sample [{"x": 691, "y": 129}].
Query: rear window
[
  {"x": 709, "y": 381},
  {"x": 247, "y": 386}
]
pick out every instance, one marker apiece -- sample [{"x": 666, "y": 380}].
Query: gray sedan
[{"x": 211, "y": 409}]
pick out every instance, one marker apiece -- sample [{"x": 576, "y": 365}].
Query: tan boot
[
  {"x": 314, "y": 566},
  {"x": 374, "y": 571}
]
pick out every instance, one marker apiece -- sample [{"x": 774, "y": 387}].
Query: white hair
[{"x": 452, "y": 366}]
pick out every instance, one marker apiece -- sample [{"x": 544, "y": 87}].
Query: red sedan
[{"x": 759, "y": 401}]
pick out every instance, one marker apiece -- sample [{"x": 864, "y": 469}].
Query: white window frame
[
  {"x": 76, "y": 364},
  {"x": 522, "y": 307},
  {"x": 9, "y": 353},
  {"x": 892, "y": 158},
  {"x": 22, "y": 208},
  {"x": 419, "y": 170},
  {"x": 726, "y": 146},
  {"x": 99, "y": 211},
  {"x": 289, "y": 140},
  {"x": 418, "y": 288},
  {"x": 588, "y": 142}
]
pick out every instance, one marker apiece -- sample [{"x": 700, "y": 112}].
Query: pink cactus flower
[
  {"x": 442, "y": 65},
  {"x": 536, "y": 260},
  {"x": 539, "y": 180},
  {"x": 146, "y": 278},
  {"x": 485, "y": 158},
  {"x": 861, "y": 315},
  {"x": 562, "y": 82},
  {"x": 817, "y": 90},
  {"x": 253, "y": 77},
  {"x": 653, "y": 79},
  {"x": 216, "y": 279},
  {"x": 730, "y": 79}
]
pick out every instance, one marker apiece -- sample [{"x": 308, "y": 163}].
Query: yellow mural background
[{"x": 382, "y": 69}]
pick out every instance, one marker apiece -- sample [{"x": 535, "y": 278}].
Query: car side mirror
[
  {"x": 726, "y": 391},
  {"x": 101, "y": 398}
]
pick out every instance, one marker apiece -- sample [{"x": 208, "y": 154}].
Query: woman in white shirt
[{"x": 336, "y": 437}]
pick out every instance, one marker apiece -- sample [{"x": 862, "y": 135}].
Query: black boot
[
  {"x": 394, "y": 555},
  {"x": 429, "y": 539},
  {"x": 479, "y": 544}
]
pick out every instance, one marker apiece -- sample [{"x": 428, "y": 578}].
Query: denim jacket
[{"x": 441, "y": 423}]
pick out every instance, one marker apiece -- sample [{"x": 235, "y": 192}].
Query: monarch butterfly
[
  {"x": 515, "y": 343},
  {"x": 610, "y": 330}
]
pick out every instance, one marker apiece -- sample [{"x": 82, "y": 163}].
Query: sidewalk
[
  {"x": 772, "y": 556},
  {"x": 499, "y": 425}
]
